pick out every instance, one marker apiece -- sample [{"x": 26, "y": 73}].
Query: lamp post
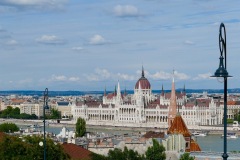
[
  {"x": 221, "y": 72},
  {"x": 45, "y": 106}
]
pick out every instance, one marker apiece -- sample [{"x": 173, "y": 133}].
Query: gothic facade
[{"x": 145, "y": 109}]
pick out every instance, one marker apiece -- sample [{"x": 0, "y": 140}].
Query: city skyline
[{"x": 90, "y": 45}]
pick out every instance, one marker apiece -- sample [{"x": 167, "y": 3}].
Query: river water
[
  {"x": 215, "y": 143},
  {"x": 208, "y": 143}
]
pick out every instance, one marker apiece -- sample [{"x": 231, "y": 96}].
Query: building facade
[
  {"x": 31, "y": 108},
  {"x": 145, "y": 109}
]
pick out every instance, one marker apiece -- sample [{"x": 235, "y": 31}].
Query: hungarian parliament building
[{"x": 145, "y": 109}]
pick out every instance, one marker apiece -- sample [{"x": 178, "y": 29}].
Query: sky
[{"x": 90, "y": 45}]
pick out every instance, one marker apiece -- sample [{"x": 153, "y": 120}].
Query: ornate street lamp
[
  {"x": 45, "y": 106},
  {"x": 221, "y": 72}
]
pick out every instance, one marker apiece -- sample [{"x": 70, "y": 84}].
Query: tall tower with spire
[
  {"x": 143, "y": 87},
  {"x": 172, "y": 109},
  {"x": 162, "y": 93},
  {"x": 118, "y": 95}
]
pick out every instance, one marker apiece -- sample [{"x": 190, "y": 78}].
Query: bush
[
  {"x": 9, "y": 127},
  {"x": 229, "y": 121},
  {"x": 26, "y": 148}
]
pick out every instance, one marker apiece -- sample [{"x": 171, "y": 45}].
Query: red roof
[
  {"x": 178, "y": 126},
  {"x": 110, "y": 95},
  {"x": 231, "y": 103},
  {"x": 76, "y": 152},
  {"x": 194, "y": 146},
  {"x": 152, "y": 134},
  {"x": 144, "y": 83}
]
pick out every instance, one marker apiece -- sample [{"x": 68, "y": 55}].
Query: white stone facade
[{"x": 144, "y": 109}]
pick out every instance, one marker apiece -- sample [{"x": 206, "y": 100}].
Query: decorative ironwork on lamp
[{"x": 222, "y": 72}]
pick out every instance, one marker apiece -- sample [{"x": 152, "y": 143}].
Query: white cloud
[
  {"x": 161, "y": 75},
  {"x": 50, "y": 39},
  {"x": 126, "y": 11},
  {"x": 126, "y": 77},
  {"x": 11, "y": 42},
  {"x": 77, "y": 48},
  {"x": 63, "y": 78},
  {"x": 34, "y": 4},
  {"x": 181, "y": 76},
  {"x": 73, "y": 79},
  {"x": 58, "y": 78},
  {"x": 203, "y": 76},
  {"x": 103, "y": 74},
  {"x": 92, "y": 77},
  {"x": 25, "y": 81},
  {"x": 97, "y": 40},
  {"x": 189, "y": 42}
]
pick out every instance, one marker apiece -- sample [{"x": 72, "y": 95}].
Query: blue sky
[{"x": 90, "y": 44}]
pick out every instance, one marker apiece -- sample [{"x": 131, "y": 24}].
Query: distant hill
[{"x": 76, "y": 93}]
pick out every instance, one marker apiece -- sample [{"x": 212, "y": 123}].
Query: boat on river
[
  {"x": 199, "y": 134},
  {"x": 231, "y": 135},
  {"x": 35, "y": 126}
]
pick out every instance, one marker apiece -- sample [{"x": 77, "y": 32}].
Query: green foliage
[
  {"x": 186, "y": 156},
  {"x": 13, "y": 148},
  {"x": 7, "y": 111},
  {"x": 15, "y": 113},
  {"x": 237, "y": 117},
  {"x": 80, "y": 127},
  {"x": 131, "y": 154},
  {"x": 156, "y": 152},
  {"x": 235, "y": 151},
  {"x": 8, "y": 127},
  {"x": 118, "y": 154},
  {"x": 26, "y": 148},
  {"x": 229, "y": 121},
  {"x": 55, "y": 114},
  {"x": 95, "y": 156}
]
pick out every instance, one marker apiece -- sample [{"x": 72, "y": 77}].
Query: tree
[
  {"x": 54, "y": 150},
  {"x": 95, "y": 156},
  {"x": 80, "y": 127},
  {"x": 115, "y": 154},
  {"x": 131, "y": 154},
  {"x": 15, "y": 111},
  {"x": 12, "y": 147},
  {"x": 118, "y": 154},
  {"x": 8, "y": 110},
  {"x": 8, "y": 127},
  {"x": 55, "y": 114},
  {"x": 186, "y": 156},
  {"x": 155, "y": 152}
]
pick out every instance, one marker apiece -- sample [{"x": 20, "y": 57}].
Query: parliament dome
[{"x": 144, "y": 83}]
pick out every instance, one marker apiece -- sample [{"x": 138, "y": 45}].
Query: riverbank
[{"x": 212, "y": 130}]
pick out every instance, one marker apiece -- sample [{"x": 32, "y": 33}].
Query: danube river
[
  {"x": 215, "y": 143},
  {"x": 208, "y": 143}
]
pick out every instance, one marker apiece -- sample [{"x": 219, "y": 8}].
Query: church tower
[{"x": 172, "y": 109}]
